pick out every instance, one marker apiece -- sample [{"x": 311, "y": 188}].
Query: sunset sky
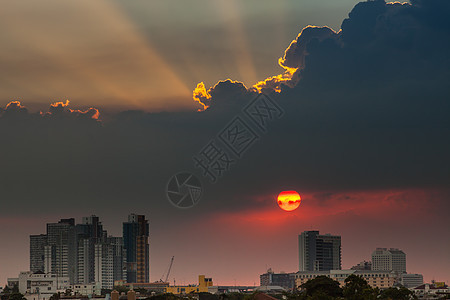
[{"x": 103, "y": 101}]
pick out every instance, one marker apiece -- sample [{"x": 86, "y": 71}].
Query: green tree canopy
[
  {"x": 397, "y": 294},
  {"x": 357, "y": 288},
  {"x": 16, "y": 296},
  {"x": 322, "y": 287}
]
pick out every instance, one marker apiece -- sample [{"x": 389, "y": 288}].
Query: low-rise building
[
  {"x": 270, "y": 278},
  {"x": 432, "y": 291},
  {"x": 39, "y": 283},
  {"x": 376, "y": 279},
  {"x": 86, "y": 289},
  {"x": 411, "y": 280},
  {"x": 202, "y": 287},
  {"x": 157, "y": 287},
  {"x": 363, "y": 266}
]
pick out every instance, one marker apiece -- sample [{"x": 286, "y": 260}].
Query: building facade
[
  {"x": 285, "y": 280},
  {"x": 135, "y": 239},
  {"x": 411, "y": 280},
  {"x": 392, "y": 259},
  {"x": 376, "y": 279},
  {"x": 363, "y": 266},
  {"x": 37, "y": 255},
  {"x": 202, "y": 287},
  {"x": 40, "y": 283},
  {"x": 62, "y": 249},
  {"x": 319, "y": 252}
]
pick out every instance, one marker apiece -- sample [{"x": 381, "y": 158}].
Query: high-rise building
[
  {"x": 392, "y": 259},
  {"x": 109, "y": 262},
  {"x": 104, "y": 265},
  {"x": 84, "y": 254},
  {"x": 89, "y": 233},
  {"x": 61, "y": 237},
  {"x": 119, "y": 257},
  {"x": 37, "y": 255},
  {"x": 319, "y": 252},
  {"x": 85, "y": 261},
  {"x": 135, "y": 238}
]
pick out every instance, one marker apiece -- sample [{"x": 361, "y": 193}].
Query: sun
[{"x": 289, "y": 200}]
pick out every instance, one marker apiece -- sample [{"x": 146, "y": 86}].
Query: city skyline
[
  {"x": 381, "y": 258},
  {"x": 199, "y": 115}
]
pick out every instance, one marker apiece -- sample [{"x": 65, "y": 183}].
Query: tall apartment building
[
  {"x": 62, "y": 249},
  {"x": 89, "y": 233},
  {"x": 319, "y": 252},
  {"x": 119, "y": 257},
  {"x": 392, "y": 259},
  {"x": 135, "y": 238},
  {"x": 37, "y": 255},
  {"x": 109, "y": 262}
]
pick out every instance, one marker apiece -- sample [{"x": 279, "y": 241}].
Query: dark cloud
[
  {"x": 295, "y": 54},
  {"x": 365, "y": 108},
  {"x": 225, "y": 95}
]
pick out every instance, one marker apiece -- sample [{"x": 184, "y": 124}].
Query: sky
[{"x": 103, "y": 102}]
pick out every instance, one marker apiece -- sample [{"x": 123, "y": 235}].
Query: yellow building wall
[{"x": 202, "y": 287}]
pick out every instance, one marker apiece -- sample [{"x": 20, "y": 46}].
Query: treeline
[{"x": 319, "y": 288}]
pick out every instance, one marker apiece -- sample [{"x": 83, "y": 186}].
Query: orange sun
[{"x": 289, "y": 200}]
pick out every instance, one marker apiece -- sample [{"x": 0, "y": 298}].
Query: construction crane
[{"x": 168, "y": 271}]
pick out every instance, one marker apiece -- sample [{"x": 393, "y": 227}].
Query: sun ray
[
  {"x": 132, "y": 71},
  {"x": 236, "y": 31}
]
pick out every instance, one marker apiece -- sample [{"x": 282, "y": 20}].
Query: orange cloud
[
  {"x": 275, "y": 82},
  {"x": 14, "y": 105},
  {"x": 56, "y": 108},
  {"x": 60, "y": 104},
  {"x": 13, "y": 108},
  {"x": 91, "y": 113},
  {"x": 202, "y": 96}
]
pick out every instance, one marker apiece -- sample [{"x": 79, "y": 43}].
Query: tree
[
  {"x": 322, "y": 287},
  {"x": 6, "y": 290},
  {"x": 207, "y": 296},
  {"x": 357, "y": 288},
  {"x": 55, "y": 296},
  {"x": 121, "y": 289},
  {"x": 397, "y": 294},
  {"x": 293, "y": 295},
  {"x": 167, "y": 296},
  {"x": 16, "y": 296}
]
